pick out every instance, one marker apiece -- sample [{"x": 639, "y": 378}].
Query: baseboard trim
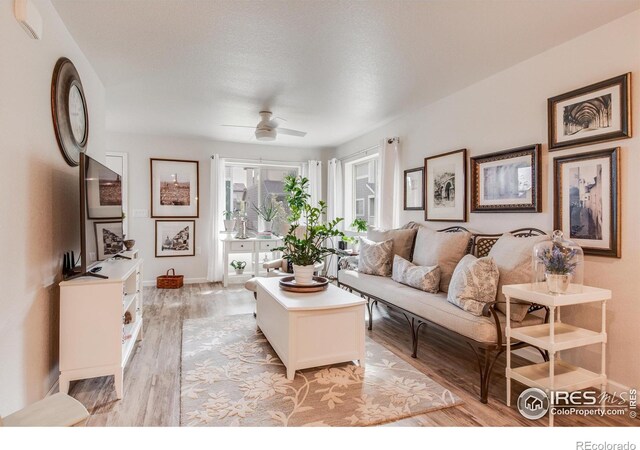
[
  {"x": 531, "y": 354},
  {"x": 151, "y": 283}
]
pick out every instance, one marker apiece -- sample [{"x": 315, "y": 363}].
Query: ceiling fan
[{"x": 269, "y": 127}]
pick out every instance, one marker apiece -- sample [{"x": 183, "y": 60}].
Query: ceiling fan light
[{"x": 266, "y": 135}]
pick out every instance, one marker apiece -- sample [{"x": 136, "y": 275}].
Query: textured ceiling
[{"x": 335, "y": 69}]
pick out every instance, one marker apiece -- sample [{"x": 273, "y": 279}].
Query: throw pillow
[
  {"x": 474, "y": 284},
  {"x": 425, "y": 278},
  {"x": 513, "y": 256},
  {"x": 375, "y": 257},
  {"x": 445, "y": 250},
  {"x": 402, "y": 240}
]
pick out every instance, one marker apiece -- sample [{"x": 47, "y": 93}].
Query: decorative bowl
[{"x": 129, "y": 243}]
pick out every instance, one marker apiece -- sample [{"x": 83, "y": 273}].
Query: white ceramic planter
[
  {"x": 268, "y": 225},
  {"x": 557, "y": 283},
  {"x": 303, "y": 274},
  {"x": 239, "y": 271}
]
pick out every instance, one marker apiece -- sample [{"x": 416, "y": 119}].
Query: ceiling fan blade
[
  {"x": 291, "y": 132},
  {"x": 238, "y": 126}
]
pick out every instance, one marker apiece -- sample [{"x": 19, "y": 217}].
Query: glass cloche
[{"x": 558, "y": 266}]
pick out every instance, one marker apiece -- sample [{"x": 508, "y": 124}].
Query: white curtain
[
  {"x": 390, "y": 184},
  {"x": 313, "y": 171},
  {"x": 335, "y": 197},
  {"x": 216, "y": 206}
]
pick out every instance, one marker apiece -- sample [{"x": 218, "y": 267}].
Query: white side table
[
  {"x": 555, "y": 336},
  {"x": 254, "y": 246}
]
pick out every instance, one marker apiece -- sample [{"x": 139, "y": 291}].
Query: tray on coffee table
[{"x": 289, "y": 284}]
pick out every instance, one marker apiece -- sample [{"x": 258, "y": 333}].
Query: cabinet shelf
[
  {"x": 567, "y": 377},
  {"x": 132, "y": 329},
  {"x": 565, "y": 336},
  {"x": 128, "y": 300}
]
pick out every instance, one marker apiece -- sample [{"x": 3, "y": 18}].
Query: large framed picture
[
  {"x": 507, "y": 181},
  {"x": 596, "y": 113},
  {"x": 174, "y": 188},
  {"x": 175, "y": 238},
  {"x": 414, "y": 189},
  {"x": 446, "y": 187},
  {"x": 587, "y": 192},
  {"x": 109, "y": 239}
]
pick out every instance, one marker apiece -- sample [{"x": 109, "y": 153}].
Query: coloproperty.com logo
[{"x": 534, "y": 403}]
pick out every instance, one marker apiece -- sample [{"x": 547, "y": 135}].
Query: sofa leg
[
  {"x": 414, "y": 325},
  {"x": 485, "y": 366},
  {"x": 370, "y": 312}
]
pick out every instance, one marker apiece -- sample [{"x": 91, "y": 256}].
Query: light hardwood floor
[{"x": 152, "y": 377}]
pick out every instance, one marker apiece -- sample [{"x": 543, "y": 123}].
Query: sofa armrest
[{"x": 274, "y": 264}]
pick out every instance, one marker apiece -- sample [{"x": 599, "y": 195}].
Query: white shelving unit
[
  {"x": 254, "y": 246},
  {"x": 555, "y": 336},
  {"x": 94, "y": 340}
]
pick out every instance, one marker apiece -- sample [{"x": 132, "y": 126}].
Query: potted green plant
[
  {"x": 559, "y": 263},
  {"x": 305, "y": 242},
  {"x": 268, "y": 211},
  {"x": 229, "y": 220},
  {"x": 360, "y": 226},
  {"x": 238, "y": 266}
]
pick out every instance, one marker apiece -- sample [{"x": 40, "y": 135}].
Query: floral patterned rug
[{"x": 232, "y": 377}]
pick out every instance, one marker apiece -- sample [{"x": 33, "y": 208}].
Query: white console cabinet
[{"x": 94, "y": 340}]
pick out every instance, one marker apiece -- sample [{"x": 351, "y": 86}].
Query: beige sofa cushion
[
  {"x": 433, "y": 307},
  {"x": 375, "y": 257},
  {"x": 440, "y": 249},
  {"x": 474, "y": 284},
  {"x": 425, "y": 278},
  {"x": 513, "y": 256},
  {"x": 402, "y": 240}
]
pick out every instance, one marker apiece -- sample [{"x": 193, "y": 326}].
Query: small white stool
[{"x": 57, "y": 410}]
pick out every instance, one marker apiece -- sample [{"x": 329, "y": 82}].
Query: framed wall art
[
  {"x": 109, "y": 237},
  {"x": 175, "y": 238},
  {"x": 587, "y": 200},
  {"x": 445, "y": 178},
  {"x": 595, "y": 113},
  {"x": 507, "y": 181},
  {"x": 174, "y": 188},
  {"x": 414, "y": 189}
]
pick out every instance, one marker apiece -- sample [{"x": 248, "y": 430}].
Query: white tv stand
[{"x": 94, "y": 341}]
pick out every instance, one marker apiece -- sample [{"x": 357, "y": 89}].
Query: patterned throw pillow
[
  {"x": 425, "y": 278},
  {"x": 375, "y": 257},
  {"x": 474, "y": 283}
]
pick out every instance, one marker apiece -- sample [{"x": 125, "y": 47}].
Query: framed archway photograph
[{"x": 446, "y": 187}]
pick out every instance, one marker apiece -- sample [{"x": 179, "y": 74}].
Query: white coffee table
[{"x": 311, "y": 330}]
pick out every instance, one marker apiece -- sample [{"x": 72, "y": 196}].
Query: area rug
[{"x": 232, "y": 377}]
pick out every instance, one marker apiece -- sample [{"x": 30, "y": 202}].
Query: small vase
[
  {"x": 557, "y": 283},
  {"x": 268, "y": 226},
  {"x": 239, "y": 271},
  {"x": 229, "y": 225},
  {"x": 303, "y": 274}
]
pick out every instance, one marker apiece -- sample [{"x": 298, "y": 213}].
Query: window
[
  {"x": 255, "y": 183},
  {"x": 361, "y": 189}
]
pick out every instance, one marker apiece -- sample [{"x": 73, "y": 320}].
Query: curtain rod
[
  {"x": 263, "y": 161},
  {"x": 359, "y": 152}
]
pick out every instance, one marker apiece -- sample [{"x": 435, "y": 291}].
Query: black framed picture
[
  {"x": 507, "y": 181},
  {"x": 445, "y": 178},
  {"x": 174, "y": 188},
  {"x": 175, "y": 238},
  {"x": 587, "y": 200},
  {"x": 414, "y": 189},
  {"x": 596, "y": 113},
  {"x": 109, "y": 239}
]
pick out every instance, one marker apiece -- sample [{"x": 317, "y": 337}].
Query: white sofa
[{"x": 485, "y": 334}]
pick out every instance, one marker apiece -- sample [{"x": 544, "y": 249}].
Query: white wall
[
  {"x": 143, "y": 147},
  {"x": 39, "y": 209},
  {"x": 508, "y": 110}
]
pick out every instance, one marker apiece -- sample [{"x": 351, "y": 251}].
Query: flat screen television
[{"x": 101, "y": 215}]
